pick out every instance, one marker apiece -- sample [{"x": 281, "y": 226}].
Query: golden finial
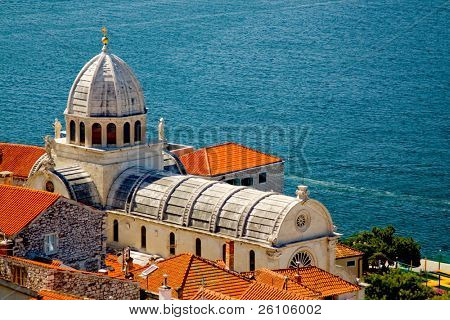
[{"x": 105, "y": 39}]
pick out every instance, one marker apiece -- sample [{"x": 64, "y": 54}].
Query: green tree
[
  {"x": 445, "y": 296},
  {"x": 381, "y": 245},
  {"x": 396, "y": 285}
]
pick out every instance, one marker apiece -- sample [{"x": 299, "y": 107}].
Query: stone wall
[
  {"x": 79, "y": 283},
  {"x": 274, "y": 173},
  {"x": 81, "y": 235}
]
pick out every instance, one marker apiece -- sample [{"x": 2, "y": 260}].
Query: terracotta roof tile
[
  {"x": 262, "y": 291},
  {"x": 19, "y": 158},
  {"x": 319, "y": 280},
  {"x": 20, "y": 206},
  {"x": 53, "y": 295},
  {"x": 114, "y": 267},
  {"x": 343, "y": 251},
  {"x": 206, "y": 294},
  {"x": 282, "y": 282},
  {"x": 188, "y": 273},
  {"x": 225, "y": 158}
]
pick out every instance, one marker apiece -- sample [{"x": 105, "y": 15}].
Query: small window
[
  {"x": 126, "y": 133},
  {"x": 351, "y": 263},
  {"x": 72, "y": 132},
  {"x": 137, "y": 131},
  {"x": 19, "y": 275},
  {"x": 247, "y": 182},
  {"x": 262, "y": 178},
  {"x": 111, "y": 134},
  {"x": 51, "y": 243},
  {"x": 172, "y": 243},
  {"x": 96, "y": 134},
  {"x": 143, "y": 237},
  {"x": 234, "y": 182},
  {"x": 252, "y": 260},
  {"x": 116, "y": 230},
  {"x": 82, "y": 133},
  {"x": 198, "y": 247},
  {"x": 224, "y": 253}
]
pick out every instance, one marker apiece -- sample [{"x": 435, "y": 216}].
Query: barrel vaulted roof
[{"x": 202, "y": 204}]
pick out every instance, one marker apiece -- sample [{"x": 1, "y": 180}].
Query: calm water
[{"x": 365, "y": 83}]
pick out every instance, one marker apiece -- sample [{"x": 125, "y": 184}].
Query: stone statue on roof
[
  {"x": 57, "y": 126},
  {"x": 161, "y": 134},
  {"x": 49, "y": 162}
]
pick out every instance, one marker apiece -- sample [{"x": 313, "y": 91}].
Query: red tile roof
[
  {"x": 114, "y": 267},
  {"x": 225, "y": 158},
  {"x": 19, "y": 158},
  {"x": 343, "y": 251},
  {"x": 283, "y": 282},
  {"x": 262, "y": 291},
  {"x": 20, "y": 206},
  {"x": 206, "y": 294},
  {"x": 188, "y": 273},
  {"x": 53, "y": 295},
  {"x": 319, "y": 280}
]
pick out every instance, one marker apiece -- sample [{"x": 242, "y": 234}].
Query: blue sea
[{"x": 354, "y": 95}]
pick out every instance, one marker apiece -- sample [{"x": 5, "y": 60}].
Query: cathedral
[{"x": 104, "y": 159}]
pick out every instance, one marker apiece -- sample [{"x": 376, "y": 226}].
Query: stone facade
[
  {"x": 84, "y": 284},
  {"x": 274, "y": 174},
  {"x": 349, "y": 268},
  {"x": 80, "y": 232},
  {"x": 266, "y": 256}
]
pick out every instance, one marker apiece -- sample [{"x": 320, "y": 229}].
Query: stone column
[
  {"x": 77, "y": 132},
  {"x": 119, "y": 134},
  {"x": 132, "y": 132},
  {"x": 88, "y": 134},
  {"x": 104, "y": 135}
]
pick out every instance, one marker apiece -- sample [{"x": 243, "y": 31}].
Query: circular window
[
  {"x": 301, "y": 259},
  {"x": 49, "y": 186},
  {"x": 302, "y": 221}
]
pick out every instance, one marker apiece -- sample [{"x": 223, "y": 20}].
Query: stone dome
[{"x": 106, "y": 87}]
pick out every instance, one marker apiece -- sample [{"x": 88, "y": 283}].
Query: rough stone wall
[
  {"x": 95, "y": 287},
  {"x": 81, "y": 235},
  {"x": 78, "y": 283}
]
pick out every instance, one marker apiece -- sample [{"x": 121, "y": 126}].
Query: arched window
[
  {"x": 111, "y": 134},
  {"x": 96, "y": 133},
  {"x": 301, "y": 259},
  {"x": 126, "y": 133},
  {"x": 172, "y": 243},
  {"x": 224, "y": 253},
  {"x": 116, "y": 230},
  {"x": 198, "y": 247},
  {"x": 72, "y": 131},
  {"x": 252, "y": 260},
  {"x": 137, "y": 131},
  {"x": 82, "y": 133},
  {"x": 143, "y": 237}
]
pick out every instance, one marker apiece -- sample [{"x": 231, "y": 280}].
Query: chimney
[
  {"x": 302, "y": 193},
  {"x": 229, "y": 254},
  {"x": 5, "y": 247},
  {"x": 165, "y": 292}
]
